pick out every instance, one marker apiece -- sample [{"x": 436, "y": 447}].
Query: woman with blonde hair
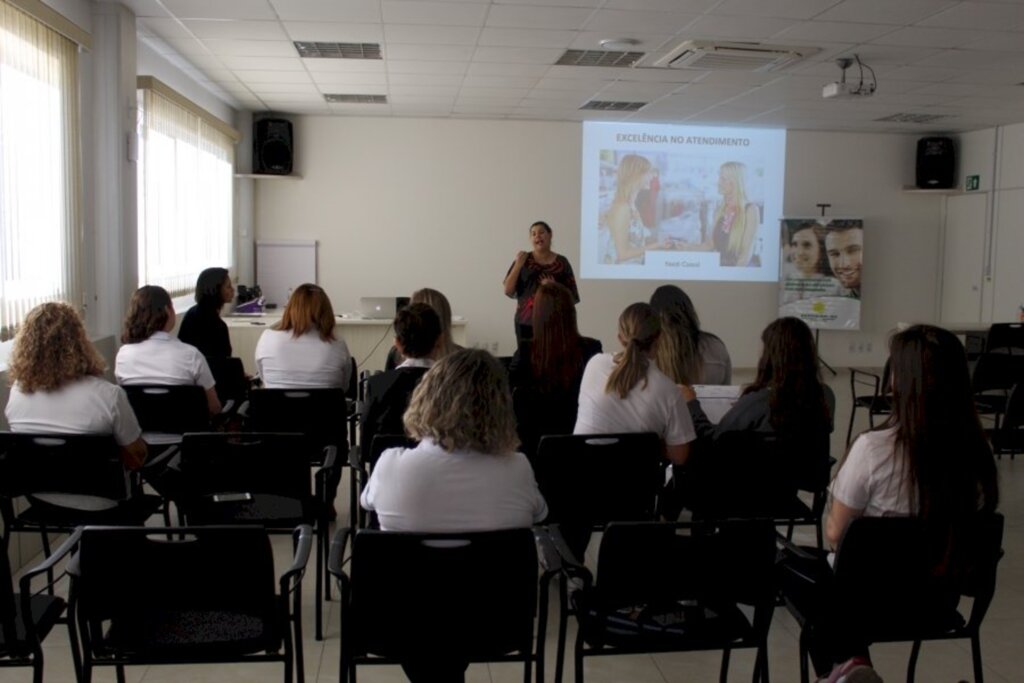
[
  {"x": 465, "y": 474},
  {"x": 626, "y": 392},
  {"x": 58, "y": 386},
  {"x": 150, "y": 355},
  {"x": 301, "y": 351},
  {"x": 627, "y": 236},
  {"x": 736, "y": 220}
]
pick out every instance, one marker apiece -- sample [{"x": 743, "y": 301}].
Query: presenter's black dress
[{"x": 526, "y": 288}]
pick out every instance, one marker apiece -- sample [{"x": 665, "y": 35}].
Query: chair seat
[
  {"x": 671, "y": 626},
  {"x": 990, "y": 403},
  {"x": 269, "y": 510},
  {"x": 132, "y": 512},
  {"x": 876, "y": 404},
  {"x": 195, "y": 634},
  {"x": 46, "y": 610}
]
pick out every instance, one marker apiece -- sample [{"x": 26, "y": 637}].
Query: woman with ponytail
[{"x": 626, "y": 392}]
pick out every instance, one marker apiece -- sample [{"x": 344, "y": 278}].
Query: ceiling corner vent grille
[
  {"x": 712, "y": 56},
  {"x": 356, "y": 99},
  {"x": 606, "y": 105},
  {"x": 599, "y": 58},
  {"x": 338, "y": 50},
  {"x": 913, "y": 118}
]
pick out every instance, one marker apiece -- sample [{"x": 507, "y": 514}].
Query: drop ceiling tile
[
  {"x": 925, "y": 74},
  {"x": 478, "y": 109},
  {"x": 189, "y": 47},
  {"x": 431, "y": 35},
  {"x": 965, "y": 59},
  {"x": 357, "y": 11},
  {"x": 221, "y": 9},
  {"x": 880, "y": 57},
  {"x": 738, "y": 28},
  {"x": 414, "y": 67},
  {"x": 522, "y": 37},
  {"x": 420, "y": 110},
  {"x": 262, "y": 89},
  {"x": 146, "y": 8},
  {"x": 571, "y": 97},
  {"x": 345, "y": 66},
  {"x": 258, "y": 48},
  {"x": 236, "y": 30},
  {"x": 646, "y": 92},
  {"x": 439, "y": 80},
  {"x": 529, "y": 16},
  {"x": 493, "y": 93},
  {"x": 622, "y": 22},
  {"x": 920, "y": 36},
  {"x": 436, "y": 92},
  {"x": 277, "y": 100},
  {"x": 495, "y": 101},
  {"x": 334, "y": 32},
  {"x": 748, "y": 78},
  {"x": 833, "y": 31},
  {"x": 657, "y": 75},
  {"x": 264, "y": 63},
  {"x": 253, "y": 77},
  {"x": 979, "y": 15},
  {"x": 988, "y": 77},
  {"x": 572, "y": 85},
  {"x": 330, "y": 81},
  {"x": 205, "y": 62},
  {"x": 901, "y": 13},
  {"x": 517, "y": 55},
  {"x": 692, "y": 6},
  {"x": 433, "y": 13},
  {"x": 503, "y": 69},
  {"x": 998, "y": 40},
  {"x": 785, "y": 9},
  {"x": 500, "y": 81},
  {"x": 166, "y": 28},
  {"x": 360, "y": 109},
  {"x": 428, "y": 53}
]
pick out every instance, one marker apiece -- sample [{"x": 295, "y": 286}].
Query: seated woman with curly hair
[{"x": 58, "y": 386}]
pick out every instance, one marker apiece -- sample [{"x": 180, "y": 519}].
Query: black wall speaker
[
  {"x": 936, "y": 163},
  {"x": 272, "y": 146}
]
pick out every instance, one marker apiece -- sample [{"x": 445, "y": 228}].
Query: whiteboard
[{"x": 283, "y": 265}]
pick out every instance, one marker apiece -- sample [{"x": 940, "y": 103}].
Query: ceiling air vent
[
  {"x": 913, "y": 118},
  {"x": 712, "y": 56},
  {"x": 338, "y": 50},
  {"x": 599, "y": 58},
  {"x": 356, "y": 99},
  {"x": 605, "y": 105}
]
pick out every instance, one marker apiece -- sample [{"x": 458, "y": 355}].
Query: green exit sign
[{"x": 973, "y": 182}]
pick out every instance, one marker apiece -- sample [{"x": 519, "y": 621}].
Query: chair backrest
[
  {"x": 664, "y": 562},
  {"x": 7, "y": 608},
  {"x": 75, "y": 464},
  {"x": 382, "y": 442},
  {"x": 247, "y": 462},
  {"x": 229, "y": 374},
  {"x": 1014, "y": 418},
  {"x": 133, "y": 575},
  {"x": 320, "y": 414},
  {"x": 997, "y": 370},
  {"x": 599, "y": 478},
  {"x": 1009, "y": 336},
  {"x": 894, "y": 578},
  {"x": 169, "y": 409},
  {"x": 471, "y": 594}
]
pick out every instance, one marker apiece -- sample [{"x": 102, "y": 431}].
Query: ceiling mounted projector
[{"x": 848, "y": 90}]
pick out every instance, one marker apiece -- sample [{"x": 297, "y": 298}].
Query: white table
[{"x": 368, "y": 340}]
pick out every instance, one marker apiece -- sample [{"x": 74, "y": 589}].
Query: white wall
[{"x": 399, "y": 204}]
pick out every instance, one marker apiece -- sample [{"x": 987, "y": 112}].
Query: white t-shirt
[
  {"x": 871, "y": 477},
  {"x": 162, "y": 359},
  {"x": 284, "y": 361},
  {"x": 429, "y": 489},
  {"x": 89, "y": 405},
  {"x": 658, "y": 408}
]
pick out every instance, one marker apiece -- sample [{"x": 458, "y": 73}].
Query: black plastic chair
[
  {"x": 254, "y": 478},
  {"x": 1008, "y": 336},
  {"x": 995, "y": 373},
  {"x": 67, "y": 480},
  {"x": 184, "y": 595},
  {"x": 878, "y": 402},
  {"x": 167, "y": 411},
  {"x": 320, "y": 414},
  {"x": 26, "y": 618},
  {"x": 677, "y": 586},
  {"x": 1009, "y": 437},
  {"x": 466, "y": 597},
  {"x": 886, "y": 586},
  {"x": 229, "y": 374}
]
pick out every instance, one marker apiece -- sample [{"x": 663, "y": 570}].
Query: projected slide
[{"x": 665, "y": 202}]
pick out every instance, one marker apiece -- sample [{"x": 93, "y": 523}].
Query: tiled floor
[{"x": 1002, "y": 646}]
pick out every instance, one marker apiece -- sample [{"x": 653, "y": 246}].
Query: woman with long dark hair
[
  {"x": 201, "y": 325},
  {"x": 547, "y": 370},
  {"x": 626, "y": 392},
  {"x": 686, "y": 353}
]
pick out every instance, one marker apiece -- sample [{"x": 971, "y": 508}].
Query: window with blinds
[
  {"x": 185, "y": 198},
  {"x": 40, "y": 212}
]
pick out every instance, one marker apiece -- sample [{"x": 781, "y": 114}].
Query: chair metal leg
[
  {"x": 723, "y": 676},
  {"x": 46, "y": 554},
  {"x": 578, "y": 656},
  {"x": 915, "y": 650},
  {"x": 119, "y": 670},
  {"x": 563, "y": 625},
  {"x": 805, "y": 674},
  {"x": 37, "y": 669},
  {"x": 819, "y": 534},
  {"x": 542, "y": 625},
  {"x": 979, "y": 675},
  {"x": 321, "y": 559},
  {"x": 849, "y": 430}
]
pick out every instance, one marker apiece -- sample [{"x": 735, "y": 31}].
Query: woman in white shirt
[
  {"x": 301, "y": 351},
  {"x": 58, "y": 387},
  {"x": 626, "y": 392},
  {"x": 465, "y": 474},
  {"x": 150, "y": 355}
]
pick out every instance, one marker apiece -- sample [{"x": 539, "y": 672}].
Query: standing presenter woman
[{"x": 530, "y": 270}]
